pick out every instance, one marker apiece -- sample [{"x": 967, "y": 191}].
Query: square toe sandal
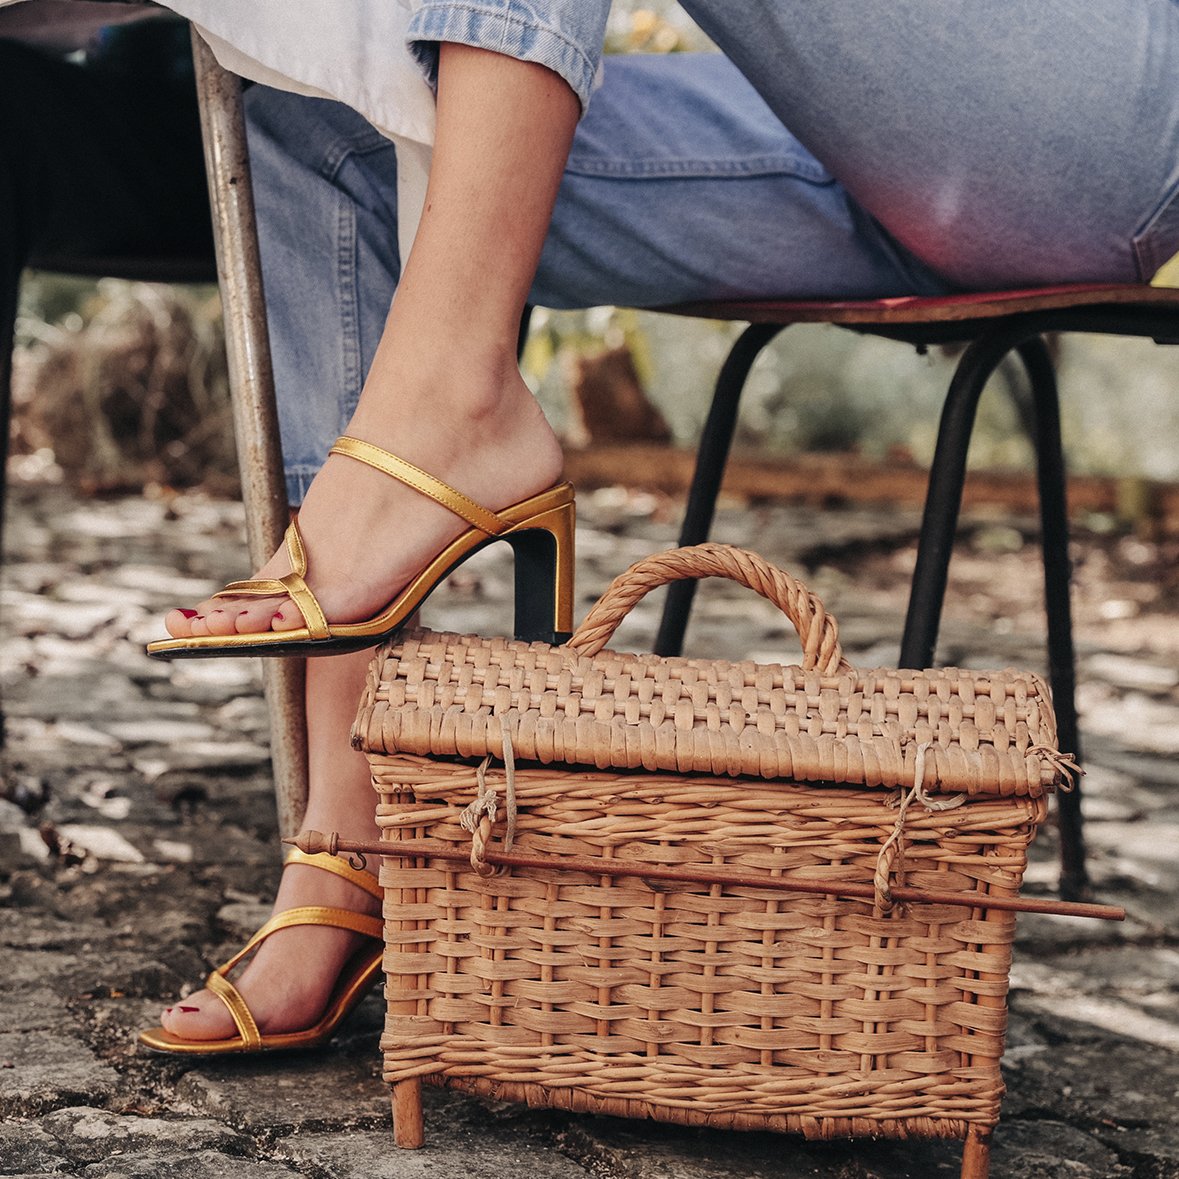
[
  {"x": 357, "y": 978},
  {"x": 539, "y": 529}
]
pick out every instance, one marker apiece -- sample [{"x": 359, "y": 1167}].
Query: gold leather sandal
[
  {"x": 539, "y": 529},
  {"x": 355, "y": 981}
]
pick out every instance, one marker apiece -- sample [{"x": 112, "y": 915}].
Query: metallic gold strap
[
  {"x": 290, "y": 585},
  {"x": 308, "y": 915},
  {"x": 422, "y": 481},
  {"x": 300, "y": 593},
  {"x": 238, "y": 1009},
  {"x": 322, "y": 915},
  {"x": 339, "y": 867}
]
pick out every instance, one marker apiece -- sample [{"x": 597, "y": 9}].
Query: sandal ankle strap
[
  {"x": 338, "y": 867},
  {"x": 421, "y": 481}
]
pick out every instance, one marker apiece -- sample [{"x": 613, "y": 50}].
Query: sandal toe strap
[
  {"x": 290, "y": 585},
  {"x": 219, "y": 984},
  {"x": 238, "y": 1009},
  {"x": 300, "y": 593}
]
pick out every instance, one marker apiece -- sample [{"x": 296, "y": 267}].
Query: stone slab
[
  {"x": 87, "y": 1135},
  {"x": 286, "y": 1092},
  {"x": 168, "y": 1164},
  {"x": 50, "y": 1068},
  {"x": 26, "y": 1148},
  {"x": 471, "y": 1155}
]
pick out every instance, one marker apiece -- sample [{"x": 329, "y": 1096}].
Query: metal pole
[
  {"x": 946, "y": 478},
  {"x": 711, "y": 458},
  {"x": 255, "y": 421},
  {"x": 1050, "y": 475}
]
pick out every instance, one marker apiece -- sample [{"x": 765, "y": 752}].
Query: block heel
[{"x": 543, "y": 552}]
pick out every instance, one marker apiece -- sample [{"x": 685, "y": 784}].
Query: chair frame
[
  {"x": 255, "y": 419},
  {"x": 993, "y": 326}
]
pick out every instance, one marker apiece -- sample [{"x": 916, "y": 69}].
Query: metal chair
[
  {"x": 251, "y": 382},
  {"x": 993, "y": 325}
]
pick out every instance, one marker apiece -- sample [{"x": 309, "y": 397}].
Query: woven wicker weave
[{"x": 708, "y": 1003}]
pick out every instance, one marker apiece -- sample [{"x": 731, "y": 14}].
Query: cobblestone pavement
[{"x": 137, "y": 845}]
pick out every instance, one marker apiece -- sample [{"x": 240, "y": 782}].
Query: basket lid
[{"x": 440, "y": 694}]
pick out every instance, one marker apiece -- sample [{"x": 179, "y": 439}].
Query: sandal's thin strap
[
  {"x": 308, "y": 915},
  {"x": 290, "y": 585},
  {"x": 422, "y": 481},
  {"x": 339, "y": 867},
  {"x": 238, "y": 1008}
]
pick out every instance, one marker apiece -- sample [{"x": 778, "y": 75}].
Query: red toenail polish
[
  {"x": 278, "y": 614},
  {"x": 183, "y": 1008},
  {"x": 188, "y": 613}
]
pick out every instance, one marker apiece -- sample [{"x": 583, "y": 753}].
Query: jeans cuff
[
  {"x": 499, "y": 28},
  {"x": 298, "y": 480}
]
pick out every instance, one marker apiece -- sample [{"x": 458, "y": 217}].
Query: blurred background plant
[{"x": 121, "y": 384}]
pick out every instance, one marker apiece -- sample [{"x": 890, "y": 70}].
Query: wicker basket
[{"x": 723, "y": 894}]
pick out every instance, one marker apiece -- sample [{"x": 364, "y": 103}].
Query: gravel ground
[{"x": 137, "y": 846}]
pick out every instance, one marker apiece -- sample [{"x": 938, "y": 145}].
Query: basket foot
[
  {"x": 976, "y": 1153},
  {"x": 408, "y": 1130}
]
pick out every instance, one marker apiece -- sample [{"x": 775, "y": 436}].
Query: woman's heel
[{"x": 543, "y": 550}]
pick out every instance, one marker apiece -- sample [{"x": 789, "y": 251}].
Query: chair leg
[
  {"x": 976, "y": 1153},
  {"x": 408, "y": 1125},
  {"x": 1050, "y": 475},
  {"x": 944, "y": 497},
  {"x": 255, "y": 421},
  {"x": 711, "y": 458},
  {"x": 8, "y": 302}
]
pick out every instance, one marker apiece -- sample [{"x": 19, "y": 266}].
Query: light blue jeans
[{"x": 851, "y": 149}]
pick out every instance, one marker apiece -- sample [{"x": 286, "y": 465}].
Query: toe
[
  {"x": 198, "y": 1017},
  {"x": 179, "y": 622},
  {"x": 287, "y": 617},
  {"x": 222, "y": 620},
  {"x": 256, "y": 615}
]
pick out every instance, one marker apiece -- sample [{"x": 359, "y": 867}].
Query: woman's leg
[
  {"x": 325, "y": 189},
  {"x": 444, "y": 391},
  {"x": 1002, "y": 143},
  {"x": 289, "y": 980}
]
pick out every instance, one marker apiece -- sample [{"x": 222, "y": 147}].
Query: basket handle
[{"x": 817, "y": 630}]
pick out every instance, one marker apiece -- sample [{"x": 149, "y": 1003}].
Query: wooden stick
[
  {"x": 313, "y": 842},
  {"x": 408, "y": 1127},
  {"x": 976, "y": 1153}
]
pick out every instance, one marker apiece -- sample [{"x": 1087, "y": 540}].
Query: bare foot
[
  {"x": 288, "y": 982},
  {"x": 367, "y": 535}
]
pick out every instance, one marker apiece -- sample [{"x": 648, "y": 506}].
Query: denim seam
[
  {"x": 342, "y": 150},
  {"x": 298, "y": 479},
  {"x": 445, "y": 23},
  {"x": 680, "y": 169},
  {"x": 1150, "y": 251},
  {"x": 349, "y": 295}
]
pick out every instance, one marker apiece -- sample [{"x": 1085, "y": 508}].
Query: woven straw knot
[
  {"x": 892, "y": 851},
  {"x": 480, "y": 813},
  {"x": 478, "y": 807},
  {"x": 1065, "y": 764}
]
